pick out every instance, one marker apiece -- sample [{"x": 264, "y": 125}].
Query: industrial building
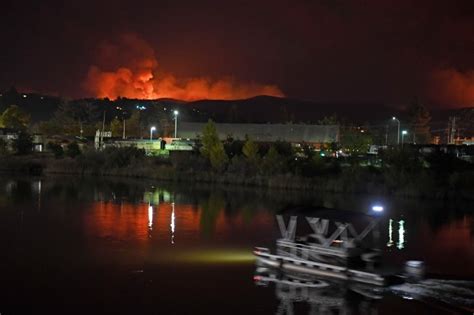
[{"x": 293, "y": 133}]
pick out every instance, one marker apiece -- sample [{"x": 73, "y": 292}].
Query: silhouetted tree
[
  {"x": 133, "y": 128},
  {"x": 212, "y": 148},
  {"x": 250, "y": 150},
  {"x": 23, "y": 144},
  {"x": 116, "y": 126},
  {"x": 3, "y": 147},
  {"x": 329, "y": 120},
  {"x": 420, "y": 122},
  {"x": 73, "y": 150},
  {"x": 15, "y": 118},
  {"x": 355, "y": 141},
  {"x": 273, "y": 162},
  {"x": 56, "y": 149}
]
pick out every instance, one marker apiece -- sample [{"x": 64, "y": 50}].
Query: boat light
[{"x": 377, "y": 208}]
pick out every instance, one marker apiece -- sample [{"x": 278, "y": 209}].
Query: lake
[{"x": 82, "y": 245}]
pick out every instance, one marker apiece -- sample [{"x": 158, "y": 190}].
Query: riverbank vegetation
[{"x": 396, "y": 171}]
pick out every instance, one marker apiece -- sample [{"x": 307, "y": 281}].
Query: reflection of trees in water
[
  {"x": 92, "y": 189},
  {"x": 210, "y": 210},
  {"x": 439, "y": 218},
  {"x": 233, "y": 200},
  {"x": 19, "y": 191}
]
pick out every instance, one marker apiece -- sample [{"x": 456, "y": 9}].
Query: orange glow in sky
[{"x": 132, "y": 71}]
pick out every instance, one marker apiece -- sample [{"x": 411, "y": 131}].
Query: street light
[
  {"x": 404, "y": 132},
  {"x": 398, "y": 130},
  {"x": 175, "y": 113},
  {"x": 151, "y": 132}
]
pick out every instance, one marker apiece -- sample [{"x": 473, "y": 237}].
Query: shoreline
[{"x": 352, "y": 183}]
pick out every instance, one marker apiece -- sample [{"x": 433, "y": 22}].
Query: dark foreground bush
[
  {"x": 56, "y": 149},
  {"x": 122, "y": 157},
  {"x": 73, "y": 150}
]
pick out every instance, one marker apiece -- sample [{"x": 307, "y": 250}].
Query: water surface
[{"x": 72, "y": 245}]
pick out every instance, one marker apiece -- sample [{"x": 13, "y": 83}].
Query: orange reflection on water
[
  {"x": 137, "y": 222},
  {"x": 448, "y": 243},
  {"x": 128, "y": 221},
  {"x": 119, "y": 221}
]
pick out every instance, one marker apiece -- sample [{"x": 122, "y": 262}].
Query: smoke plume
[
  {"x": 129, "y": 68},
  {"x": 452, "y": 87}
]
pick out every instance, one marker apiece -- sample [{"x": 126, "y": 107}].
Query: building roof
[{"x": 266, "y": 132}]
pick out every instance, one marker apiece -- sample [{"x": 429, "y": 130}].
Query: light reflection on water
[
  {"x": 401, "y": 234},
  {"x": 167, "y": 231}
]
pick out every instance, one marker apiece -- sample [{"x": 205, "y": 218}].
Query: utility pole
[
  {"x": 451, "y": 130},
  {"x": 82, "y": 130},
  {"x": 102, "y": 134},
  {"x": 398, "y": 129},
  {"x": 123, "y": 129},
  {"x": 175, "y": 113},
  {"x": 448, "y": 131}
]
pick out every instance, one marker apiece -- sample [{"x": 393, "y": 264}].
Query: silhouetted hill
[
  {"x": 259, "y": 109},
  {"x": 263, "y": 109}
]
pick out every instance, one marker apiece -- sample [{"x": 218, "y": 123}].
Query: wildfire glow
[
  {"x": 133, "y": 72},
  {"x": 452, "y": 87}
]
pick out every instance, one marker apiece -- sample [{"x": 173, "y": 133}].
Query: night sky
[{"x": 324, "y": 51}]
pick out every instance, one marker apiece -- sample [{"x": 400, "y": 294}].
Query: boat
[{"x": 344, "y": 254}]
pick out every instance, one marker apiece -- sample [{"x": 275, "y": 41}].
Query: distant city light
[
  {"x": 24, "y": 95},
  {"x": 404, "y": 132},
  {"x": 175, "y": 112},
  {"x": 153, "y": 128}
]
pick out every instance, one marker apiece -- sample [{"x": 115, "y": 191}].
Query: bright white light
[
  {"x": 153, "y": 128},
  {"x": 404, "y": 132},
  {"x": 176, "y": 113},
  {"x": 390, "y": 232},
  {"x": 172, "y": 225},
  {"x": 401, "y": 234},
  {"x": 394, "y": 118},
  {"x": 150, "y": 217},
  {"x": 377, "y": 208}
]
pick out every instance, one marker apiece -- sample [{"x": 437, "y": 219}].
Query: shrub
[
  {"x": 122, "y": 157},
  {"x": 23, "y": 144},
  {"x": 3, "y": 147},
  {"x": 56, "y": 149},
  {"x": 273, "y": 162},
  {"x": 73, "y": 150}
]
